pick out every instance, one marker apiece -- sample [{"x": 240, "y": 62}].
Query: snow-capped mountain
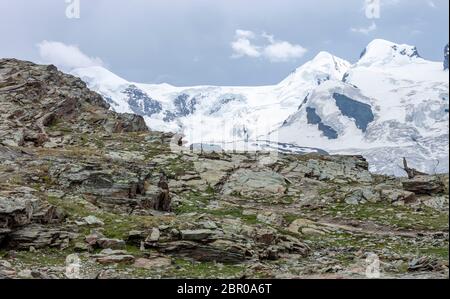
[
  {"x": 389, "y": 104},
  {"x": 213, "y": 114}
]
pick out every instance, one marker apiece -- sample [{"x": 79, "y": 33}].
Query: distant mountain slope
[
  {"x": 389, "y": 104},
  {"x": 212, "y": 113}
]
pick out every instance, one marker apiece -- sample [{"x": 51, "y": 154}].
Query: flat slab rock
[
  {"x": 110, "y": 256},
  {"x": 115, "y": 259},
  {"x": 424, "y": 184},
  {"x": 151, "y": 263},
  {"x": 197, "y": 235},
  {"x": 15, "y": 212},
  {"x": 248, "y": 182}
]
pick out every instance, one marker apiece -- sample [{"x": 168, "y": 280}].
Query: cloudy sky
[{"x": 220, "y": 42}]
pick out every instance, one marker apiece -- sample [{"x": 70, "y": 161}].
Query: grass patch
[{"x": 403, "y": 217}]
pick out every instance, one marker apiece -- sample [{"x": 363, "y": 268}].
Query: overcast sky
[{"x": 220, "y": 42}]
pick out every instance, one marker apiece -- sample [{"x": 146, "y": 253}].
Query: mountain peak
[
  {"x": 322, "y": 67},
  {"x": 381, "y": 52},
  {"x": 323, "y": 55}
]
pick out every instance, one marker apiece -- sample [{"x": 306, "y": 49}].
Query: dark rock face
[
  {"x": 184, "y": 106},
  {"x": 415, "y": 52},
  {"x": 130, "y": 123},
  {"x": 345, "y": 77},
  {"x": 315, "y": 119},
  {"x": 322, "y": 79},
  {"x": 446, "y": 57},
  {"x": 39, "y": 236},
  {"x": 363, "y": 53},
  {"x": 141, "y": 103},
  {"x": 222, "y": 102},
  {"x": 360, "y": 112}
]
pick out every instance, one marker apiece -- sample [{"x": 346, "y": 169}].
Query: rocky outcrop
[
  {"x": 255, "y": 183},
  {"x": 21, "y": 215},
  {"x": 446, "y": 57},
  {"x": 424, "y": 184},
  {"x": 39, "y": 236},
  {"x": 226, "y": 245},
  {"x": 35, "y": 97}
]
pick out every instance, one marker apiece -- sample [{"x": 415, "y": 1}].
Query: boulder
[
  {"x": 220, "y": 251},
  {"x": 115, "y": 259},
  {"x": 110, "y": 256},
  {"x": 92, "y": 220},
  {"x": 270, "y": 218},
  {"x": 6, "y": 270},
  {"x": 152, "y": 263},
  {"x": 424, "y": 184},
  {"x": 39, "y": 236},
  {"x": 110, "y": 243},
  {"x": 255, "y": 183},
  {"x": 15, "y": 212},
  {"x": 394, "y": 196},
  {"x": 265, "y": 236},
  {"x": 198, "y": 234},
  {"x": 154, "y": 236}
]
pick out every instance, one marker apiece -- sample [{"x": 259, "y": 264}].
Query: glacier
[{"x": 390, "y": 104}]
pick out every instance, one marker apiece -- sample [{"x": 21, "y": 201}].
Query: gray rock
[
  {"x": 197, "y": 235},
  {"x": 154, "y": 236},
  {"x": 152, "y": 263},
  {"x": 92, "y": 220},
  {"x": 39, "y": 236},
  {"x": 254, "y": 183},
  {"x": 394, "y": 196},
  {"x": 424, "y": 184},
  {"x": 15, "y": 212},
  {"x": 110, "y": 243},
  {"x": 115, "y": 259}
]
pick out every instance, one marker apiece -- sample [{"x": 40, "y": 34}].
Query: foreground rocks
[
  {"x": 424, "y": 184},
  {"x": 86, "y": 189}
]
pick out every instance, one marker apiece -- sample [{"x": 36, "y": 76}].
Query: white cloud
[
  {"x": 431, "y": 4},
  {"x": 66, "y": 56},
  {"x": 242, "y": 45},
  {"x": 248, "y": 44},
  {"x": 283, "y": 51},
  {"x": 365, "y": 30}
]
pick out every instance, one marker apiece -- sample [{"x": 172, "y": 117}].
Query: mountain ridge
[{"x": 407, "y": 96}]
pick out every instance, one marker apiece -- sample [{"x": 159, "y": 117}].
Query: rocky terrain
[{"x": 89, "y": 193}]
